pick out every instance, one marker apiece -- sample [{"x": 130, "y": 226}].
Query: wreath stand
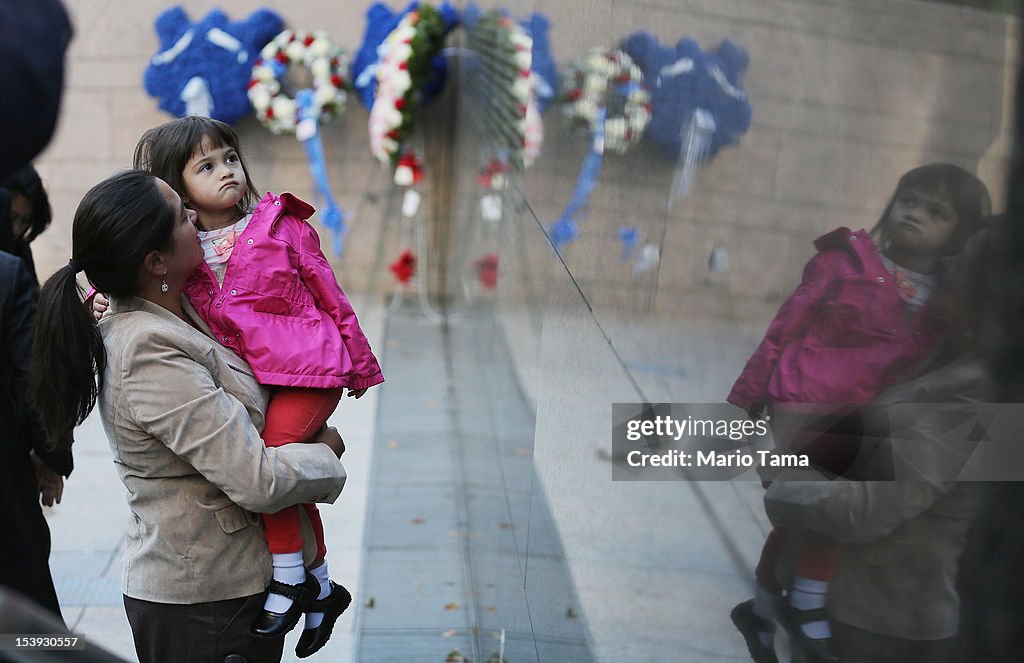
[{"x": 412, "y": 235}]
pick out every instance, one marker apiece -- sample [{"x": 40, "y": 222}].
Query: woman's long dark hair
[
  {"x": 166, "y": 149},
  {"x": 967, "y": 194},
  {"x": 25, "y": 182},
  {"x": 117, "y": 224}
]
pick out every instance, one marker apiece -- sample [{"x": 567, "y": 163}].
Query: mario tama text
[
  {"x": 695, "y": 441},
  {"x": 716, "y": 459}
]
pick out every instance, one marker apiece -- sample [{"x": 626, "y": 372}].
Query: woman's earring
[{"x": 163, "y": 285}]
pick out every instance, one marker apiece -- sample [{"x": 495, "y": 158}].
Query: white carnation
[
  {"x": 260, "y": 98},
  {"x": 295, "y": 51},
  {"x": 324, "y": 95},
  {"x": 284, "y": 109},
  {"x": 320, "y": 68}
]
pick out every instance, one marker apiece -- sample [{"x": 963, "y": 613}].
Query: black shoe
[
  {"x": 273, "y": 624},
  {"x": 749, "y": 624},
  {"x": 814, "y": 650},
  {"x": 335, "y": 603}
]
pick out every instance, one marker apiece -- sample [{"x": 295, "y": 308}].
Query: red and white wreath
[
  {"x": 327, "y": 64},
  {"x": 608, "y": 79}
]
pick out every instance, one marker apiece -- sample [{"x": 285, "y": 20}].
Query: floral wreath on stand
[
  {"x": 404, "y": 66},
  {"x": 506, "y": 87},
  {"x": 283, "y": 110},
  {"x": 606, "y": 94},
  {"x": 327, "y": 64}
]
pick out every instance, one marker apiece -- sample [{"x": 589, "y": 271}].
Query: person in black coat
[
  {"x": 30, "y": 469},
  {"x": 34, "y": 35}
]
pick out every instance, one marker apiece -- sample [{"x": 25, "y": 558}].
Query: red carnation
[
  {"x": 251, "y": 84},
  {"x": 410, "y": 161},
  {"x": 574, "y": 95},
  {"x": 404, "y": 267},
  {"x": 281, "y": 57},
  {"x": 308, "y": 41},
  {"x": 487, "y": 270},
  {"x": 269, "y": 113},
  {"x": 337, "y": 81},
  {"x": 400, "y": 103},
  {"x": 393, "y": 134}
]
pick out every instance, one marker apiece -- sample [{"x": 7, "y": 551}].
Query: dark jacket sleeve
[
  {"x": 33, "y": 37},
  {"x": 18, "y": 308}
]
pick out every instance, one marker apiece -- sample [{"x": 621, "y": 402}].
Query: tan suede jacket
[{"x": 182, "y": 415}]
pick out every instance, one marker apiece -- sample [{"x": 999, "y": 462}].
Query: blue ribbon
[
  {"x": 629, "y": 237},
  {"x": 332, "y": 215},
  {"x": 565, "y": 230}
]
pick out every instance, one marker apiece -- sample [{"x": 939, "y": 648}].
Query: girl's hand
[
  {"x": 100, "y": 304},
  {"x": 356, "y": 393},
  {"x": 332, "y": 438}
]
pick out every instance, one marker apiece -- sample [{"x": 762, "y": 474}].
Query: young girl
[
  {"x": 858, "y": 321},
  {"x": 268, "y": 293}
]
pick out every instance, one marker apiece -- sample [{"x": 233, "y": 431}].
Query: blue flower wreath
[
  {"x": 203, "y": 67},
  {"x": 380, "y": 21},
  {"x": 685, "y": 78}
]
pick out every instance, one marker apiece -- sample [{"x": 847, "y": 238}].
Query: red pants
[
  {"x": 818, "y": 560},
  {"x": 296, "y": 415}
]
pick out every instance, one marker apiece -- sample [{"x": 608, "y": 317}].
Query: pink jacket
[
  {"x": 280, "y": 307},
  {"x": 841, "y": 336}
]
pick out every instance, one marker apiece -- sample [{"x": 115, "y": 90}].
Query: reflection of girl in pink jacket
[
  {"x": 268, "y": 293},
  {"x": 858, "y": 321}
]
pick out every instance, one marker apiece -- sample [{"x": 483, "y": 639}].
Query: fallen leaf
[
  {"x": 372, "y": 602},
  {"x": 507, "y": 526},
  {"x": 450, "y": 633},
  {"x": 522, "y": 452},
  {"x": 392, "y": 444},
  {"x": 418, "y": 521},
  {"x": 570, "y": 613},
  {"x": 491, "y": 608},
  {"x": 455, "y": 656},
  {"x": 452, "y": 606}
]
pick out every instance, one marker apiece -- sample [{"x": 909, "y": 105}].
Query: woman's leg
[{"x": 199, "y": 633}]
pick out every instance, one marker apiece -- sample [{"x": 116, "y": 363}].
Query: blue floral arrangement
[{"x": 202, "y": 68}]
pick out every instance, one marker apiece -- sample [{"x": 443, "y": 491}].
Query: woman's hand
[
  {"x": 100, "y": 304},
  {"x": 332, "y": 438},
  {"x": 51, "y": 484},
  {"x": 356, "y": 393}
]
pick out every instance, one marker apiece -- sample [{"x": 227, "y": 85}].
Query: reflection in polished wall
[{"x": 843, "y": 99}]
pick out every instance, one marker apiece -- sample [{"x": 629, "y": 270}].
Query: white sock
[
  {"x": 289, "y": 569},
  {"x": 808, "y": 594},
  {"x": 314, "y": 619},
  {"x": 764, "y": 607}
]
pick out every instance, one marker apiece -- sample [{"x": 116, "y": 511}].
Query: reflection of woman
[
  {"x": 894, "y": 597},
  {"x": 28, "y": 469},
  {"x": 181, "y": 413}
]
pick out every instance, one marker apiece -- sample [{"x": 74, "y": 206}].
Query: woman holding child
[{"x": 182, "y": 414}]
